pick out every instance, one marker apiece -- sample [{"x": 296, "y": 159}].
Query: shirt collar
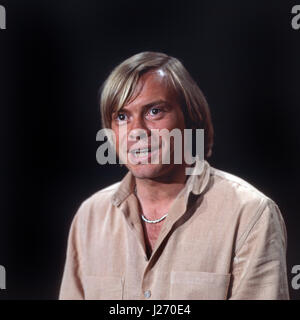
[{"x": 196, "y": 183}]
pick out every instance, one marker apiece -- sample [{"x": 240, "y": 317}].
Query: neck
[{"x": 160, "y": 191}]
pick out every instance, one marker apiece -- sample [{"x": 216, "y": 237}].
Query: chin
[{"x": 146, "y": 171}]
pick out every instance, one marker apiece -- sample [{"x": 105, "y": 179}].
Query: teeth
[{"x": 141, "y": 152}]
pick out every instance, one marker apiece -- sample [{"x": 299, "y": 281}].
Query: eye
[
  {"x": 154, "y": 111},
  {"x": 121, "y": 117}
]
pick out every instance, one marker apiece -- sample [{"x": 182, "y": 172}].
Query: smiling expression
[{"x": 154, "y": 106}]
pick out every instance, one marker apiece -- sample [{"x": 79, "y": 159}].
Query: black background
[{"x": 54, "y": 55}]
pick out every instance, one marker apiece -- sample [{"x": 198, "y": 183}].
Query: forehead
[{"x": 152, "y": 86}]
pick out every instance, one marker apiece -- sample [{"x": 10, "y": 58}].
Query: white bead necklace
[
  {"x": 151, "y": 221},
  {"x": 154, "y": 221}
]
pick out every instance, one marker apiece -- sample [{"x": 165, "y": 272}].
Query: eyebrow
[{"x": 150, "y": 104}]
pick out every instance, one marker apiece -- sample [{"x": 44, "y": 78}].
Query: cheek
[
  {"x": 119, "y": 133},
  {"x": 176, "y": 121},
  {"x": 121, "y": 141},
  {"x": 180, "y": 120}
]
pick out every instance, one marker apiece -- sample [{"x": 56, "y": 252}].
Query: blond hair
[{"x": 120, "y": 86}]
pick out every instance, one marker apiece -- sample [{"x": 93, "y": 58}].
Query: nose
[{"x": 138, "y": 130}]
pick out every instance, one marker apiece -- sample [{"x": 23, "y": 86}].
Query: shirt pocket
[
  {"x": 198, "y": 285},
  {"x": 103, "y": 288}
]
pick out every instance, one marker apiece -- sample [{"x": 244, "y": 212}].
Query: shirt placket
[{"x": 176, "y": 212}]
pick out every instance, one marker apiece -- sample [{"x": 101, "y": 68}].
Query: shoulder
[
  {"x": 104, "y": 194},
  {"x": 241, "y": 203},
  {"x": 236, "y": 189},
  {"x": 99, "y": 202}
]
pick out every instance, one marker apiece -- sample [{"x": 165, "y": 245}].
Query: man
[{"x": 160, "y": 233}]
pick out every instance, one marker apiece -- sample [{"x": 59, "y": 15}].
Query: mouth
[{"x": 143, "y": 152}]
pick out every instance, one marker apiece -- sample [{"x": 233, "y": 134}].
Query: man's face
[{"x": 154, "y": 107}]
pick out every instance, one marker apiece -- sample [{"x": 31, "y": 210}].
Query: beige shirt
[{"x": 222, "y": 239}]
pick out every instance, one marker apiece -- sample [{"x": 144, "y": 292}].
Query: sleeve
[
  {"x": 71, "y": 285},
  {"x": 259, "y": 265}
]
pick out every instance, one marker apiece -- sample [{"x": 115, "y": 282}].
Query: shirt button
[{"x": 147, "y": 294}]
